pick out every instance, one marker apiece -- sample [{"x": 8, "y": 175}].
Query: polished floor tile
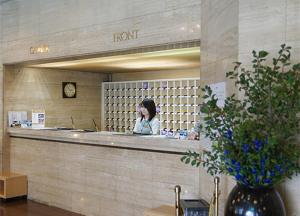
[{"x": 23, "y": 207}]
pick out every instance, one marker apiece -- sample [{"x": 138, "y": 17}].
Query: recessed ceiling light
[{"x": 163, "y": 59}]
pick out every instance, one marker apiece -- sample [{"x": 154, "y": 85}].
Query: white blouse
[{"x": 146, "y": 127}]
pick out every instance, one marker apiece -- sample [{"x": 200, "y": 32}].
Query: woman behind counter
[{"x": 147, "y": 123}]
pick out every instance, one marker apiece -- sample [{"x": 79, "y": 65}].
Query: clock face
[{"x": 69, "y": 89}]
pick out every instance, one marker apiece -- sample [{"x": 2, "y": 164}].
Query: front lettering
[{"x": 124, "y": 36}]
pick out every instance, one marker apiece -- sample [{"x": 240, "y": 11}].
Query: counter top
[{"x": 111, "y": 139}]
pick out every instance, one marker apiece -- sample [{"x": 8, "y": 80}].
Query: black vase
[{"x": 245, "y": 201}]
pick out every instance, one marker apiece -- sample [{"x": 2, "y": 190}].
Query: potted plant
[{"x": 254, "y": 136}]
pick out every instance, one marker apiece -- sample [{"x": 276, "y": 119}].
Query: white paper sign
[
  {"x": 219, "y": 89},
  {"x": 16, "y": 116},
  {"x": 38, "y": 118}
]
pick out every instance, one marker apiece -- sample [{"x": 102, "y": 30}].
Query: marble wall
[
  {"x": 219, "y": 48},
  {"x": 30, "y": 88},
  {"x": 74, "y": 27},
  {"x": 34, "y": 88},
  {"x": 1, "y": 87},
  {"x": 101, "y": 181},
  {"x": 231, "y": 30},
  {"x": 219, "y": 40},
  {"x": 266, "y": 25}
]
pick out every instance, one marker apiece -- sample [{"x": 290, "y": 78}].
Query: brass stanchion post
[
  {"x": 216, "y": 181},
  {"x": 177, "y": 201}
]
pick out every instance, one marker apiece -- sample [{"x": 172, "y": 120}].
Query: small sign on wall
[
  {"x": 219, "y": 89},
  {"x": 38, "y": 118},
  {"x": 16, "y": 117}
]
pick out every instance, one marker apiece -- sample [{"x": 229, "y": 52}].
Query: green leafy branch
[{"x": 254, "y": 134}]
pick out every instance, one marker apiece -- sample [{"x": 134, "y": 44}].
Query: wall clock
[{"x": 69, "y": 89}]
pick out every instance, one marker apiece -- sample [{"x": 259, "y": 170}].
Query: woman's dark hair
[{"x": 150, "y": 106}]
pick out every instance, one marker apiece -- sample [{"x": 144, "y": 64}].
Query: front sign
[{"x": 125, "y": 36}]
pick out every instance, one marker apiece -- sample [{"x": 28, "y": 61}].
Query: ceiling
[{"x": 138, "y": 62}]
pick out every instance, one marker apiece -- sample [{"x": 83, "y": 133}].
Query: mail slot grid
[{"x": 177, "y": 102}]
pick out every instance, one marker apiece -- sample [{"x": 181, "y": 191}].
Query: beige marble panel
[
  {"x": 1, "y": 106},
  {"x": 262, "y": 25},
  {"x": 28, "y": 88},
  {"x": 109, "y": 181},
  {"x": 88, "y": 27},
  {"x": 266, "y": 25},
  {"x": 252, "y": 25},
  {"x": 219, "y": 41},
  {"x": 1, "y": 91},
  {"x": 291, "y": 196},
  {"x": 293, "y": 28},
  {"x": 81, "y": 27},
  {"x": 293, "y": 20},
  {"x": 219, "y": 30}
]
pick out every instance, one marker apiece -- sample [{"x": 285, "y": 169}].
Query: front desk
[
  {"x": 154, "y": 143},
  {"x": 102, "y": 173}
]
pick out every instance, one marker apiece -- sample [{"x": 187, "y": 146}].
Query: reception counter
[
  {"x": 110, "y": 139},
  {"x": 101, "y": 173}
]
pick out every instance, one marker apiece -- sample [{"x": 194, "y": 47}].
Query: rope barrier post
[
  {"x": 177, "y": 200},
  {"x": 216, "y": 181}
]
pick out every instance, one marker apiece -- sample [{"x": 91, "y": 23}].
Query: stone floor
[{"x": 23, "y": 207}]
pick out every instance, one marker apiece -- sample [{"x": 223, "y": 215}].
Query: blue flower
[
  {"x": 279, "y": 169},
  {"x": 233, "y": 161},
  {"x": 258, "y": 144},
  {"x": 267, "y": 141},
  {"x": 238, "y": 177},
  {"x": 272, "y": 173},
  {"x": 226, "y": 152},
  {"x": 263, "y": 162},
  {"x": 228, "y": 134},
  {"x": 256, "y": 179},
  {"x": 245, "y": 181},
  {"x": 254, "y": 171},
  {"x": 237, "y": 167},
  {"x": 246, "y": 148},
  {"x": 268, "y": 181},
  {"x": 230, "y": 170}
]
